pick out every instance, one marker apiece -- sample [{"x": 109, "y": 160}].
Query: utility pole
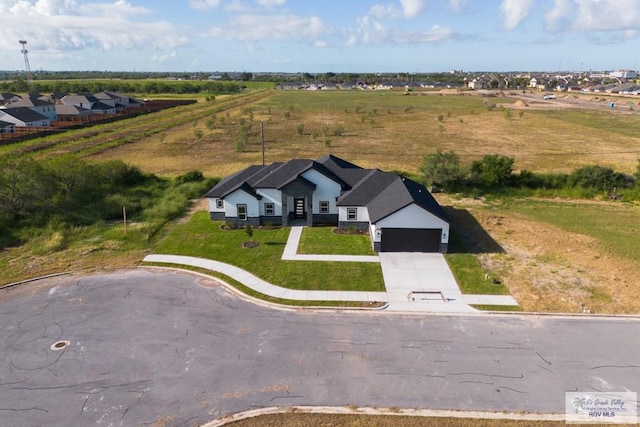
[
  {"x": 262, "y": 140},
  {"x": 24, "y": 51}
]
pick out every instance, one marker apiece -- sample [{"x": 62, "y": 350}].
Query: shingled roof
[{"x": 383, "y": 193}]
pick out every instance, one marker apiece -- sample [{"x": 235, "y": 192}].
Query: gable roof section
[
  {"x": 399, "y": 194},
  {"x": 31, "y": 101},
  {"x": 285, "y": 173},
  {"x": 351, "y": 174},
  {"x": 367, "y": 189},
  {"x": 71, "y": 110},
  {"x": 233, "y": 182},
  {"x": 25, "y": 114}
]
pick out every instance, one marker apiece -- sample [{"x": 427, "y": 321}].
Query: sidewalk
[
  {"x": 414, "y": 282},
  {"x": 266, "y": 288}
]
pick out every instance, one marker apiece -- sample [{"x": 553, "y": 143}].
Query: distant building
[{"x": 624, "y": 74}]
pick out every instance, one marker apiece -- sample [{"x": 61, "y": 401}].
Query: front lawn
[
  {"x": 324, "y": 241},
  {"x": 201, "y": 237}
]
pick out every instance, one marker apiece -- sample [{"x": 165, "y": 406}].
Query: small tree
[
  {"x": 441, "y": 169},
  {"x": 248, "y": 229},
  {"x": 493, "y": 170},
  {"x": 637, "y": 173}
]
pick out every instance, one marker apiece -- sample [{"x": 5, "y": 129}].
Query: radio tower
[{"x": 26, "y": 61}]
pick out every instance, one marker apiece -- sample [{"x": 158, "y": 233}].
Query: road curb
[
  {"x": 22, "y": 282},
  {"x": 273, "y": 305},
  {"x": 344, "y": 410}
]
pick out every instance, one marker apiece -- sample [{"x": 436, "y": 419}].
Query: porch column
[
  {"x": 285, "y": 210},
  {"x": 309, "y": 201}
]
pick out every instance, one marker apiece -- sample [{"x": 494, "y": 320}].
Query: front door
[{"x": 298, "y": 208}]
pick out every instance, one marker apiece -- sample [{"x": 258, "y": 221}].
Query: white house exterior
[
  {"x": 38, "y": 105},
  {"x": 400, "y": 214},
  {"x": 24, "y": 117}
]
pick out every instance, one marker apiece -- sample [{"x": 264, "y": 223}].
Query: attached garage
[{"x": 410, "y": 240}]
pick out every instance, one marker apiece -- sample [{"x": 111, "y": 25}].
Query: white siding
[
  {"x": 270, "y": 195},
  {"x": 327, "y": 190},
  {"x": 414, "y": 216},
  {"x": 363, "y": 213},
  {"x": 212, "y": 206},
  {"x": 240, "y": 197}
]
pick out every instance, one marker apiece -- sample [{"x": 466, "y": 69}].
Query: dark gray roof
[
  {"x": 233, "y": 182},
  {"x": 276, "y": 175},
  {"x": 350, "y": 173},
  {"x": 401, "y": 193},
  {"x": 383, "y": 193},
  {"x": 25, "y": 114},
  {"x": 99, "y": 105},
  {"x": 368, "y": 188}
]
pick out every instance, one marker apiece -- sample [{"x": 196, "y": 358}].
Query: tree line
[
  {"x": 493, "y": 172},
  {"x": 122, "y": 86}
]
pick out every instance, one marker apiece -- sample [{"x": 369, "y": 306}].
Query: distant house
[
  {"x": 6, "y": 127},
  {"x": 478, "y": 83},
  {"x": 103, "y": 108},
  {"x": 399, "y": 214},
  {"x": 5, "y": 98},
  {"x": 34, "y": 102},
  {"x": 117, "y": 100},
  {"x": 71, "y": 112},
  {"x": 24, "y": 117},
  {"x": 82, "y": 101}
]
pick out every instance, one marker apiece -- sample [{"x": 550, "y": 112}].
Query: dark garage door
[{"x": 410, "y": 240}]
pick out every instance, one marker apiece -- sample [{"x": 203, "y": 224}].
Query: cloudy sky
[{"x": 321, "y": 36}]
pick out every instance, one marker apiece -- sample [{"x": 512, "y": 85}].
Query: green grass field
[{"x": 204, "y": 238}]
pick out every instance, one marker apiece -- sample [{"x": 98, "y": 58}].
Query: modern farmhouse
[{"x": 400, "y": 214}]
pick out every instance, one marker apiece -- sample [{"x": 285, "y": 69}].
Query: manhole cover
[{"x": 60, "y": 345}]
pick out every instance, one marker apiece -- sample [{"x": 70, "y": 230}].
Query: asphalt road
[{"x": 149, "y": 347}]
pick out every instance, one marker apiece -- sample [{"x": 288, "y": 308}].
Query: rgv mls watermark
[{"x": 601, "y": 407}]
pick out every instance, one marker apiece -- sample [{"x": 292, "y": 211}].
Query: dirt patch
[{"x": 548, "y": 269}]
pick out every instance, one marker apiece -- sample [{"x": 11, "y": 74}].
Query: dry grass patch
[{"x": 333, "y": 420}]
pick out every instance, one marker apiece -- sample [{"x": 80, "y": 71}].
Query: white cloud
[
  {"x": 165, "y": 57},
  {"x": 594, "y": 15},
  {"x": 514, "y": 11},
  {"x": 382, "y": 11},
  {"x": 458, "y": 5},
  {"x": 54, "y": 26},
  {"x": 270, "y": 3},
  {"x": 373, "y": 32},
  {"x": 250, "y": 28},
  {"x": 412, "y": 8},
  {"x": 204, "y": 5}
]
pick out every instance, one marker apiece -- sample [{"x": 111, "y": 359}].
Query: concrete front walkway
[
  {"x": 263, "y": 287},
  {"x": 291, "y": 251}
]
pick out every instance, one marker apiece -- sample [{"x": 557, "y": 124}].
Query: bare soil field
[{"x": 548, "y": 269}]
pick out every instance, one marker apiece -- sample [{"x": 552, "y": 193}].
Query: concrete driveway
[
  {"x": 417, "y": 281},
  {"x": 142, "y": 348}
]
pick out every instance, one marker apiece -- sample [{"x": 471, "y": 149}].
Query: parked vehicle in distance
[{"x": 549, "y": 96}]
